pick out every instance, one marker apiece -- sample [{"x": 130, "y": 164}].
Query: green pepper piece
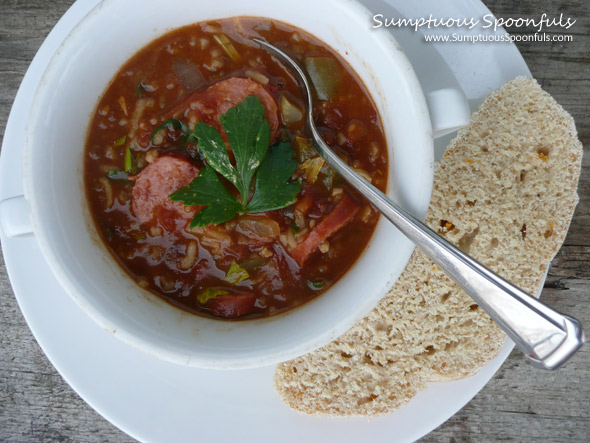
[
  {"x": 303, "y": 149},
  {"x": 325, "y": 74}
]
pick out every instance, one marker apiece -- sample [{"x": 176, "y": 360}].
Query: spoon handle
[{"x": 546, "y": 337}]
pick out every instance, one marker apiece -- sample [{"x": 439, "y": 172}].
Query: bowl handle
[
  {"x": 14, "y": 217},
  {"x": 449, "y": 111}
]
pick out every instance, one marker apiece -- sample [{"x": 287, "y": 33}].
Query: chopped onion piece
[
  {"x": 140, "y": 107},
  {"x": 312, "y": 168},
  {"x": 108, "y": 191},
  {"x": 123, "y": 105},
  {"x": 188, "y": 73},
  {"x": 260, "y": 227},
  {"x": 265, "y": 252}
]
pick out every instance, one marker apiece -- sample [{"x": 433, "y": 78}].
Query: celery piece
[
  {"x": 236, "y": 274},
  {"x": 120, "y": 141},
  {"x": 227, "y": 46},
  {"x": 128, "y": 160},
  {"x": 210, "y": 293}
]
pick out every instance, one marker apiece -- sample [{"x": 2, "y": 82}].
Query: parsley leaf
[
  {"x": 249, "y": 137},
  {"x": 316, "y": 284},
  {"x": 207, "y": 190},
  {"x": 213, "y": 148},
  {"x": 272, "y": 190}
]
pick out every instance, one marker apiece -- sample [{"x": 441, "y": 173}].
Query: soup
[{"x": 202, "y": 182}]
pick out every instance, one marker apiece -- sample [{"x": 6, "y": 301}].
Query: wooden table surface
[{"x": 520, "y": 403}]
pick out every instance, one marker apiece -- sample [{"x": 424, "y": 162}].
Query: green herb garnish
[
  {"x": 273, "y": 190},
  {"x": 117, "y": 174},
  {"x": 139, "y": 89},
  {"x": 249, "y": 135},
  {"x": 128, "y": 160},
  {"x": 120, "y": 142},
  {"x": 210, "y": 293},
  {"x": 206, "y": 189},
  {"x": 236, "y": 274},
  {"x": 177, "y": 125},
  {"x": 316, "y": 284}
]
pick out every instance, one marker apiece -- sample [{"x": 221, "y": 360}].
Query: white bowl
[{"x": 55, "y": 136}]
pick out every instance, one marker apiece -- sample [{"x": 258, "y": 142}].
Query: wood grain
[{"x": 520, "y": 403}]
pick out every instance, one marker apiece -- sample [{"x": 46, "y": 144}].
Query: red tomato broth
[{"x": 157, "y": 253}]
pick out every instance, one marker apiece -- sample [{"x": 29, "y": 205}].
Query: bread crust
[{"x": 505, "y": 192}]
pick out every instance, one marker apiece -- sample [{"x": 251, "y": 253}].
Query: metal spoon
[{"x": 546, "y": 337}]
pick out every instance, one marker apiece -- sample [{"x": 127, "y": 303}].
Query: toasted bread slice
[{"x": 504, "y": 192}]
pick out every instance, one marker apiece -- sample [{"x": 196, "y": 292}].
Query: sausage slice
[
  {"x": 209, "y": 105},
  {"x": 150, "y": 200},
  {"x": 224, "y": 95}
]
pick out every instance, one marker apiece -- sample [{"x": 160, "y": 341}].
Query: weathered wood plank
[
  {"x": 562, "y": 68},
  {"x": 520, "y": 403},
  {"x": 36, "y": 404}
]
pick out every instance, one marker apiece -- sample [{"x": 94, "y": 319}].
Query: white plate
[{"x": 152, "y": 400}]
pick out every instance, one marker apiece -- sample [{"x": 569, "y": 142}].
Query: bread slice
[{"x": 504, "y": 192}]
